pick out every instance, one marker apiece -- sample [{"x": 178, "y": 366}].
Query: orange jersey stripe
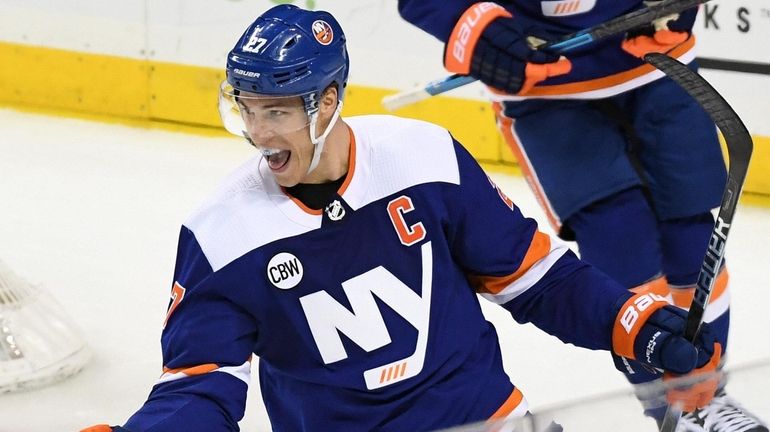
[
  {"x": 505, "y": 125},
  {"x": 509, "y": 405},
  {"x": 194, "y": 370},
  {"x": 538, "y": 249}
]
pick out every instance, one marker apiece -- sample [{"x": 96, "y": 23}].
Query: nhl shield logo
[
  {"x": 335, "y": 211},
  {"x": 323, "y": 32}
]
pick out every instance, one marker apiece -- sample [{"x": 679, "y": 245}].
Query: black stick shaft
[{"x": 739, "y": 148}]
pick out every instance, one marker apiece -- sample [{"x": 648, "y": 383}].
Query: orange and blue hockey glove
[
  {"x": 648, "y": 329},
  {"x": 489, "y": 44},
  {"x": 662, "y": 35}
]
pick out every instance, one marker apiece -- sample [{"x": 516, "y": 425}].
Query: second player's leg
[{"x": 683, "y": 160}]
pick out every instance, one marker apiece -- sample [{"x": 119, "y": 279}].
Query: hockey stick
[
  {"x": 739, "y": 148},
  {"x": 567, "y": 43}
]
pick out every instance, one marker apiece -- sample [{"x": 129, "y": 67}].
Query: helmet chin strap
[{"x": 318, "y": 142}]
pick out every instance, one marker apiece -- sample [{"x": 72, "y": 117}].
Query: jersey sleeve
[
  {"x": 436, "y": 17},
  {"x": 207, "y": 343},
  {"x": 537, "y": 278}
]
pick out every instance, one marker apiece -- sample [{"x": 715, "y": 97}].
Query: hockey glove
[
  {"x": 662, "y": 35},
  {"x": 649, "y": 330},
  {"x": 488, "y": 44}
]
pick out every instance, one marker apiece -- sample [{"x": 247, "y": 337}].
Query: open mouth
[{"x": 278, "y": 160}]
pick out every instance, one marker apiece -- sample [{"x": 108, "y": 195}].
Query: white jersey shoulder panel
[
  {"x": 242, "y": 215},
  {"x": 394, "y": 153}
]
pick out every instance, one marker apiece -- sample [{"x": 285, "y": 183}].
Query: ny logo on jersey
[{"x": 365, "y": 325}]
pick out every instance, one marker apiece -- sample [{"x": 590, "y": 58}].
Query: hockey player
[
  {"x": 347, "y": 256},
  {"x": 606, "y": 143}
]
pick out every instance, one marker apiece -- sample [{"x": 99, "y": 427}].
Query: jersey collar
[{"x": 352, "y": 189}]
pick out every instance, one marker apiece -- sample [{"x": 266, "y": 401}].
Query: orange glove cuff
[
  {"x": 534, "y": 73},
  {"x": 670, "y": 38},
  {"x": 631, "y": 318},
  {"x": 700, "y": 394},
  {"x": 462, "y": 41},
  {"x": 662, "y": 42}
]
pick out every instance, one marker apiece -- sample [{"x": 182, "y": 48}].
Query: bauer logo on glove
[{"x": 489, "y": 44}]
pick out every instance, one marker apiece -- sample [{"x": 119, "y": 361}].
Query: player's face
[{"x": 278, "y": 127}]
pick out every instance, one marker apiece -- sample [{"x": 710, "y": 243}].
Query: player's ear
[{"x": 328, "y": 102}]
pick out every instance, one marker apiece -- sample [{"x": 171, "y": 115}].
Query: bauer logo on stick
[{"x": 323, "y": 32}]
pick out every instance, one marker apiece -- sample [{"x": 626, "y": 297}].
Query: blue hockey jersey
[
  {"x": 599, "y": 70},
  {"x": 364, "y": 316}
]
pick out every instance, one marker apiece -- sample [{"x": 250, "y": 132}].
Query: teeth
[{"x": 267, "y": 152}]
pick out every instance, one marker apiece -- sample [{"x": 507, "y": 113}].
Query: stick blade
[{"x": 723, "y": 115}]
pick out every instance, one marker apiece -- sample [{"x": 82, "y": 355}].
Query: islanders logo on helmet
[{"x": 323, "y": 32}]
